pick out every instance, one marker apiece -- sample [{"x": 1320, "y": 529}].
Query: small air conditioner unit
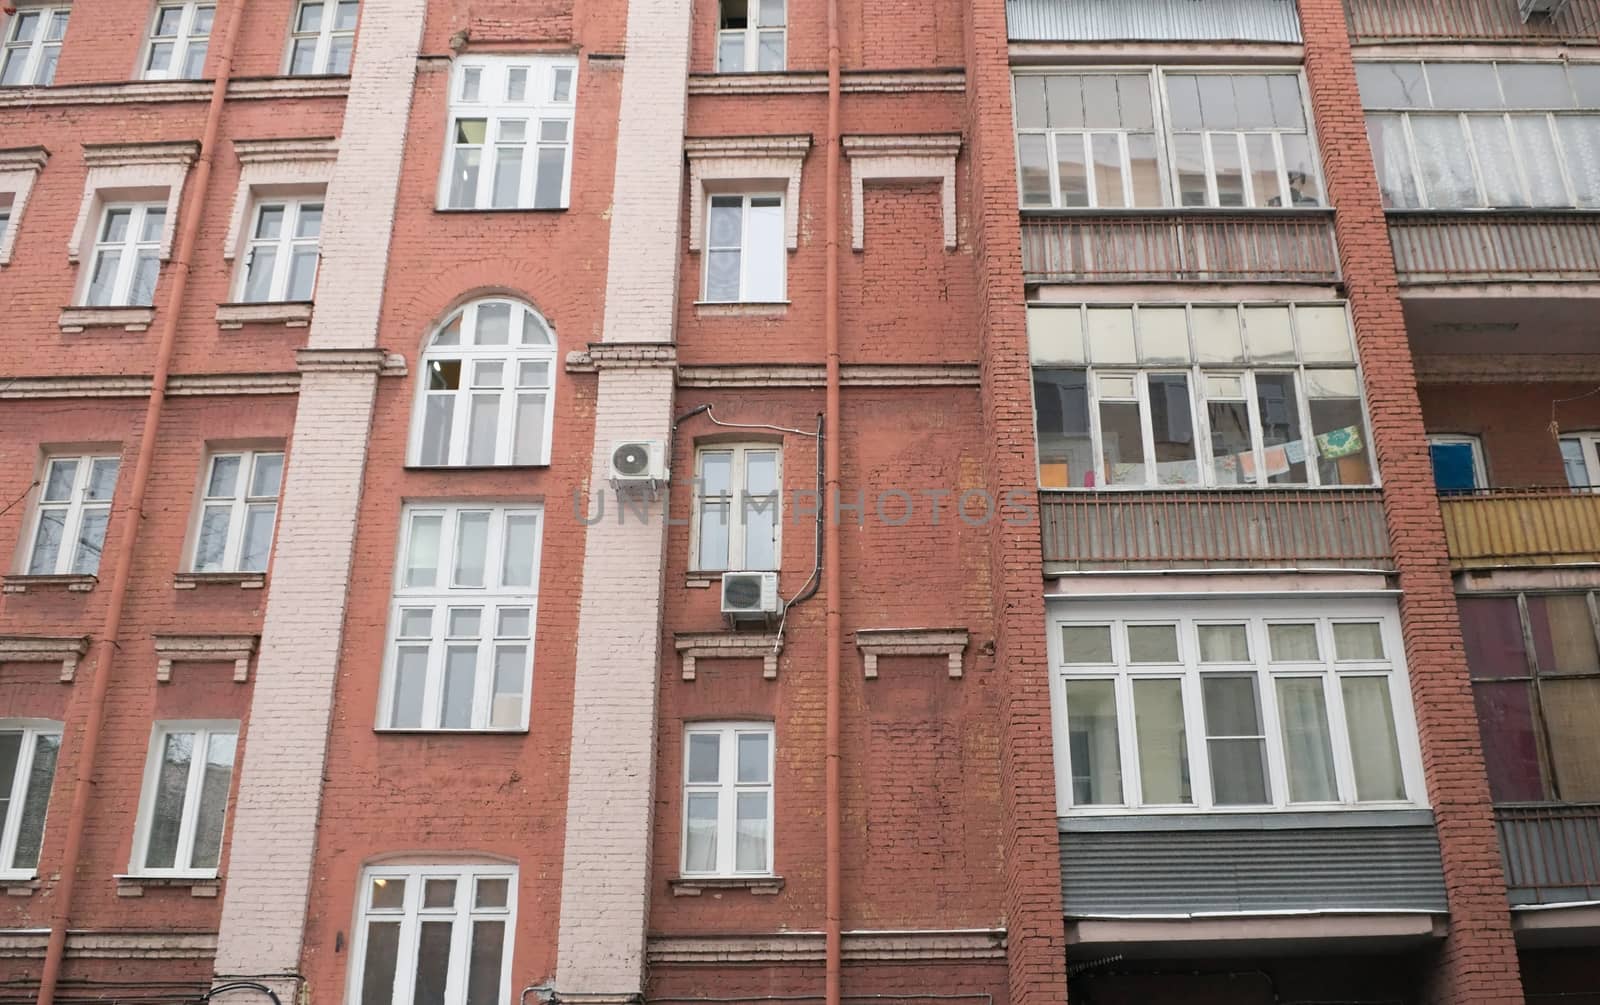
[
  {"x": 1543, "y": 8},
  {"x": 638, "y": 463},
  {"x": 750, "y": 596}
]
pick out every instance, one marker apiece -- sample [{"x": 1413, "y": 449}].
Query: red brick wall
[{"x": 1513, "y": 421}]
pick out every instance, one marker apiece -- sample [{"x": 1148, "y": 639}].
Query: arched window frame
[{"x": 521, "y": 359}]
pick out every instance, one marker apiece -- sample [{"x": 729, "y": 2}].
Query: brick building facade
[{"x": 745, "y": 500}]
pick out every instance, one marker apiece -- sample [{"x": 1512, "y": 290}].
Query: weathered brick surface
[{"x": 1513, "y": 424}]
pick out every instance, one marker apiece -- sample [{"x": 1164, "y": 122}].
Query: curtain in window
[
  {"x": 1446, "y": 165},
  {"x": 1373, "y": 747},
  {"x": 1304, "y": 712},
  {"x": 1580, "y": 138},
  {"x": 1388, "y": 138}
]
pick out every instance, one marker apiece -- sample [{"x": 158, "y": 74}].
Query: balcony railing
[
  {"x": 1467, "y": 19},
  {"x": 1523, "y": 526},
  {"x": 1433, "y": 246},
  {"x": 1178, "y": 244},
  {"x": 1551, "y": 852},
  {"x": 1341, "y": 528}
]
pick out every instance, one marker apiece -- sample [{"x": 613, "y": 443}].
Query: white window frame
[
  {"x": 1589, "y": 444},
  {"x": 746, "y": 255},
  {"x": 324, "y": 36},
  {"x": 750, "y": 38},
  {"x": 284, "y": 247},
  {"x": 240, "y": 503},
  {"x": 412, "y": 914},
  {"x": 443, "y": 596},
  {"x": 183, "y": 41},
  {"x": 727, "y": 787},
  {"x": 480, "y": 89},
  {"x": 1480, "y": 471},
  {"x": 129, "y": 248},
  {"x": 736, "y": 529},
  {"x": 473, "y": 357},
  {"x": 33, "y": 49},
  {"x": 31, "y": 731},
  {"x": 189, "y": 812},
  {"x": 75, "y": 506},
  {"x": 1256, "y": 613}
]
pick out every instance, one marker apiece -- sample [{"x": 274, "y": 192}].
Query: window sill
[
  {"x": 741, "y": 309},
  {"x": 500, "y": 209},
  {"x": 133, "y": 319},
  {"x": 48, "y": 584},
  {"x": 478, "y": 467},
  {"x": 1251, "y": 818},
  {"x": 419, "y": 731},
  {"x": 202, "y": 885},
  {"x": 694, "y": 886},
  {"x": 19, "y": 885},
  {"x": 243, "y": 580},
  {"x": 289, "y": 313}
]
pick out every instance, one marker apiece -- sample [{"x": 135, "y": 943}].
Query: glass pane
[
  {"x": 102, "y": 281},
  {"x": 266, "y": 476},
  {"x": 437, "y": 419},
  {"x": 1308, "y": 750},
  {"x": 514, "y": 623},
  {"x": 1227, "y": 169},
  {"x": 1288, "y": 112},
  {"x": 1188, "y": 154},
  {"x": 1496, "y": 163},
  {"x": 769, "y": 51},
  {"x": 35, "y": 800},
  {"x": 310, "y": 18},
  {"x": 705, "y": 754},
  {"x": 730, "y": 52},
  {"x": 1172, "y": 426},
  {"x": 1061, "y": 413},
  {"x": 1572, "y": 715},
  {"x": 750, "y": 851},
  {"x": 492, "y": 893},
  {"x": 166, "y": 816},
  {"x": 561, "y": 86},
  {"x": 472, "y": 543},
  {"x": 1324, "y": 334},
  {"x": 1163, "y": 335},
  {"x": 722, "y": 276},
  {"x": 439, "y": 893},
  {"x": 388, "y": 893},
  {"x": 142, "y": 288},
  {"x": 1233, "y": 457},
  {"x": 1072, "y": 169},
  {"x": 213, "y": 800},
  {"x": 224, "y": 480},
  {"x": 1463, "y": 85},
  {"x": 344, "y": 17},
  {"x": 1268, "y": 334},
  {"x": 1030, "y": 100},
  {"x": 700, "y": 843},
  {"x": 339, "y": 53},
  {"x": 47, "y": 542},
  {"x": 433, "y": 962},
  {"x": 552, "y": 173},
  {"x": 464, "y": 176},
  {"x": 1235, "y": 744},
  {"x": 1386, "y": 134},
  {"x": 1304, "y": 187},
  {"x": 1223, "y": 643},
  {"x": 10, "y": 754},
  {"x": 1152, "y": 644},
  {"x": 1086, "y": 644},
  {"x": 753, "y": 757},
  {"x": 60, "y": 476},
  {"x": 460, "y": 681},
  {"x": 1392, "y": 85},
  {"x": 102, "y": 479},
  {"x": 521, "y": 549},
  {"x": 1563, "y": 633},
  {"x": 483, "y": 966},
  {"x": 1144, "y": 170},
  {"x": 1575, "y": 463},
  {"x": 1107, "y": 151},
  {"x": 1510, "y": 745},
  {"x": 91, "y": 541},
  {"x": 1455, "y": 467},
  {"x": 411, "y": 675},
  {"x": 1373, "y": 746},
  {"x": 1092, "y": 743},
  {"x": 422, "y": 550},
  {"x": 303, "y": 57},
  {"x": 1580, "y": 138},
  {"x": 1264, "y": 186},
  {"x": 724, "y": 223},
  {"x": 416, "y": 622},
  {"x": 1183, "y": 99},
  {"x": 1163, "y": 745},
  {"x": 713, "y": 535},
  {"x": 1445, "y": 163},
  {"x": 1064, "y": 95},
  {"x": 1122, "y": 443},
  {"x": 382, "y": 959},
  {"x": 160, "y": 57},
  {"x": 1284, "y": 453},
  {"x": 1292, "y": 643},
  {"x": 1540, "y": 161},
  {"x": 763, "y": 280},
  {"x": 1358, "y": 640},
  {"x": 210, "y": 554},
  {"x": 510, "y": 680},
  {"x": 257, "y": 544},
  {"x": 1111, "y": 335},
  {"x": 1100, "y": 101},
  {"x": 1033, "y": 164},
  {"x": 529, "y": 446}
]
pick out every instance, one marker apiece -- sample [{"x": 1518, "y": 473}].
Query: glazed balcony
[
  {"x": 1470, "y": 20},
  {"x": 1551, "y": 851},
  {"x": 1218, "y": 528},
  {"x": 1479, "y": 246},
  {"x": 1538, "y": 526}
]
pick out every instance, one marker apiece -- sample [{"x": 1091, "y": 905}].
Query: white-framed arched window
[{"x": 486, "y": 390}]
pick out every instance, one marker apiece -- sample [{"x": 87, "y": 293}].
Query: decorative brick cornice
[
  {"x": 807, "y": 947},
  {"x": 30, "y": 944},
  {"x": 133, "y": 92},
  {"x": 622, "y": 356},
  {"x": 902, "y": 158},
  {"x": 114, "y": 169},
  {"x": 320, "y": 148},
  {"x": 181, "y": 385},
  {"x": 876, "y": 642},
  {"x": 694, "y": 646},
  {"x": 735, "y": 161},
  {"x": 67, "y": 649},
  {"x": 180, "y": 152},
  {"x": 237, "y": 649},
  {"x": 694, "y": 886},
  {"x": 852, "y": 82},
  {"x": 281, "y": 88},
  {"x": 815, "y": 375},
  {"x": 195, "y": 580},
  {"x": 24, "y": 159},
  {"x": 341, "y": 360}
]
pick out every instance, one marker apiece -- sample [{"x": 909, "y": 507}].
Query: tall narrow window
[
  {"x": 238, "y": 509},
  {"x": 461, "y": 624},
  {"x": 69, "y": 523},
  {"x": 486, "y": 396},
  {"x": 126, "y": 257},
  {"x": 1580, "y": 457},
  {"x": 744, "y": 249},
  {"x": 281, "y": 260},
  {"x": 33, "y": 46},
  {"x": 727, "y": 799},
  {"x": 324, "y": 35},
  {"x": 751, "y": 36},
  {"x": 185, "y": 802},
  {"x": 736, "y": 508},
  {"x": 440, "y": 934},
  {"x": 510, "y": 139},
  {"x": 28, "y": 751},
  {"x": 179, "y": 35}
]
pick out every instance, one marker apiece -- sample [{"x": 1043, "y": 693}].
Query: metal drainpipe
[
  {"x": 177, "y": 282},
  {"x": 830, "y": 562}
]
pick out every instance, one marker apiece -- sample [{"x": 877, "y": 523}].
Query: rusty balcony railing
[
  {"x": 1218, "y": 528},
  {"x": 1432, "y": 246},
  {"x": 1467, "y": 19},
  {"x": 1551, "y": 851},
  {"x": 1541, "y": 525},
  {"x": 1177, "y": 244}
]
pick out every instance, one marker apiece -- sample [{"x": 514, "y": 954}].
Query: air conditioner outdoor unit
[
  {"x": 1544, "y": 8},
  {"x": 638, "y": 462},
  {"x": 749, "y": 596}
]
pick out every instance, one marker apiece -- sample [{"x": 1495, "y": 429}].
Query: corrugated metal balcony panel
[
  {"x": 1523, "y": 527},
  {"x": 1179, "y": 871},
  {"x": 1153, "y": 20},
  {"x": 1551, "y": 853},
  {"x": 1499, "y": 245},
  {"x": 1467, "y": 20}
]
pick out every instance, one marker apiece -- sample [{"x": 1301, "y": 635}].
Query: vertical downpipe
[
  {"x": 830, "y": 560},
  {"x": 128, "y": 538}
]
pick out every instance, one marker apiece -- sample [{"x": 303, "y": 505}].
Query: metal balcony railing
[
  {"x": 1539, "y": 525},
  {"x": 1501, "y": 245},
  {"x": 1551, "y": 851},
  {"x": 1341, "y": 528},
  {"x": 1177, "y": 244},
  {"x": 1468, "y": 19}
]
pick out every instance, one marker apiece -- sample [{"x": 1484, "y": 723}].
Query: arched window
[{"x": 486, "y": 391}]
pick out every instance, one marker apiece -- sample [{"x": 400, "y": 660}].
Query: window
[
  {"x": 751, "y": 36},
  {"x": 435, "y": 933},
  {"x": 1457, "y": 463},
  {"x": 238, "y": 508},
  {"x": 127, "y": 256},
  {"x": 736, "y": 505},
  {"x": 727, "y": 799},
  {"x": 176, "y": 49},
  {"x": 5, "y": 214},
  {"x": 69, "y": 525},
  {"x": 324, "y": 36},
  {"x": 744, "y": 249},
  {"x": 1218, "y": 705},
  {"x": 486, "y": 396},
  {"x": 461, "y": 625},
  {"x": 1201, "y": 395},
  {"x": 1164, "y": 138},
  {"x": 185, "y": 802},
  {"x": 28, "y": 751},
  {"x": 33, "y": 46},
  {"x": 1470, "y": 135},
  {"x": 1538, "y": 707},
  {"x": 511, "y": 124},
  {"x": 281, "y": 259},
  {"x": 1580, "y": 456}
]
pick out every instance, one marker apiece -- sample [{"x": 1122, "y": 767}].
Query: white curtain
[
  {"x": 1370, "y": 719},
  {"x": 1303, "y": 711}
]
